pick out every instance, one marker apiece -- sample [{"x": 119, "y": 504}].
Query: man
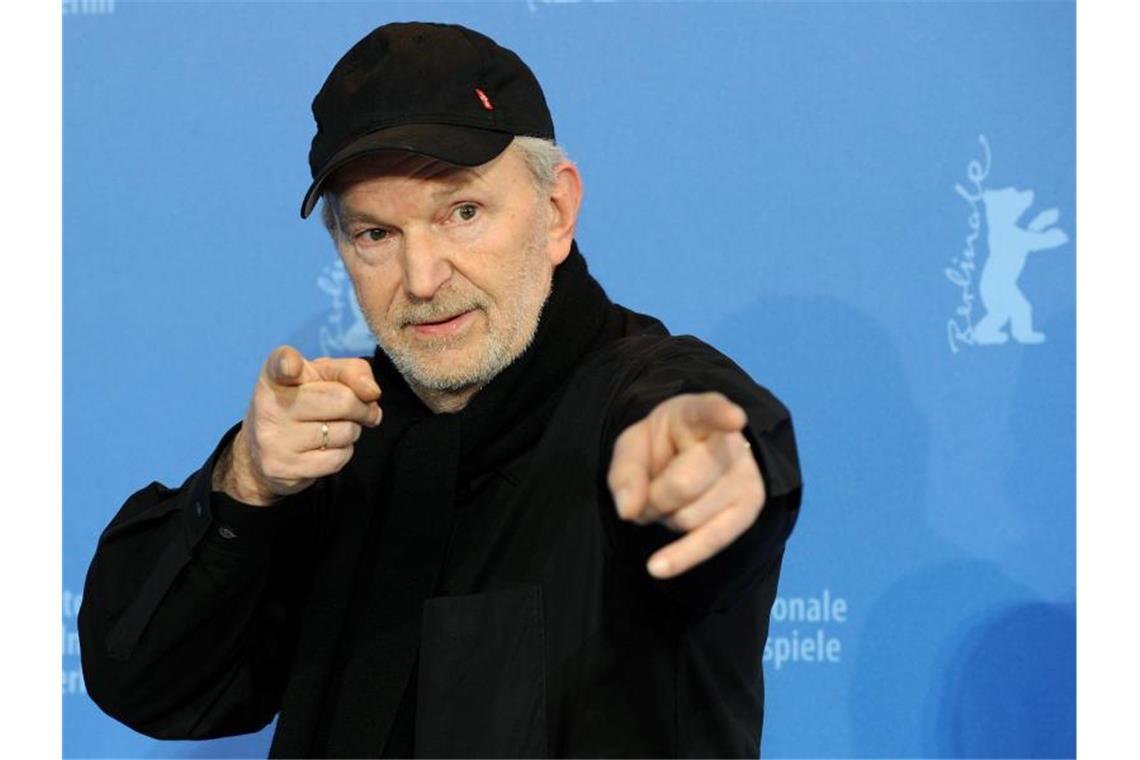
[{"x": 532, "y": 524}]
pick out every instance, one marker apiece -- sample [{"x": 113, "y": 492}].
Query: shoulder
[
  {"x": 647, "y": 365},
  {"x": 645, "y": 342}
]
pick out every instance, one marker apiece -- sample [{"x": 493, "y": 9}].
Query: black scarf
[{"x": 389, "y": 518}]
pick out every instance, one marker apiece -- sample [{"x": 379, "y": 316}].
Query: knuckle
[
  {"x": 691, "y": 412},
  {"x": 716, "y": 399},
  {"x": 686, "y": 519},
  {"x": 625, "y": 438},
  {"x": 756, "y": 495},
  {"x": 742, "y": 520},
  {"x": 363, "y": 414},
  {"x": 647, "y": 516},
  {"x": 685, "y": 482},
  {"x": 728, "y": 448},
  {"x": 673, "y": 480},
  {"x": 335, "y": 394},
  {"x": 336, "y": 399},
  {"x": 612, "y": 481},
  {"x": 665, "y": 408},
  {"x": 751, "y": 489}
]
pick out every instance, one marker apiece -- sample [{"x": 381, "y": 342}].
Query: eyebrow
[
  {"x": 347, "y": 217},
  {"x": 451, "y": 188}
]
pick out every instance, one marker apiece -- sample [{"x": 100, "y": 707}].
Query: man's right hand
[{"x": 301, "y": 424}]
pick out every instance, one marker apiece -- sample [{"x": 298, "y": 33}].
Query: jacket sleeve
[
  {"x": 190, "y": 609},
  {"x": 686, "y": 365}
]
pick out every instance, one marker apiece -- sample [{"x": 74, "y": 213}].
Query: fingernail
[
  {"x": 374, "y": 387},
  {"x": 659, "y": 567},
  {"x": 379, "y": 415}
]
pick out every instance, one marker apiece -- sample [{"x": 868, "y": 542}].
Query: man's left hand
[{"x": 688, "y": 465}]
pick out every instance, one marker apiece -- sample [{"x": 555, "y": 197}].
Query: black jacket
[{"x": 463, "y": 586}]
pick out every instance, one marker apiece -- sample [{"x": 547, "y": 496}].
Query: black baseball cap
[{"x": 440, "y": 90}]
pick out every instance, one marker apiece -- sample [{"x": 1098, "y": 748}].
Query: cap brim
[{"x": 462, "y": 146}]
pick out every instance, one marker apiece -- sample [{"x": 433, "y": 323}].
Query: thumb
[
  {"x": 697, "y": 416},
  {"x": 285, "y": 366}
]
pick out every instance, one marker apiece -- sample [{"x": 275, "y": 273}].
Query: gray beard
[{"x": 498, "y": 359}]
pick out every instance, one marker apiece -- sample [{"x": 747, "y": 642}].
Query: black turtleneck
[{"x": 440, "y": 463}]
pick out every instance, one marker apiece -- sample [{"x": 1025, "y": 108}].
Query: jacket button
[{"x": 225, "y": 532}]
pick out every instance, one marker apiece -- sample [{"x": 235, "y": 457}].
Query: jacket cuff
[
  {"x": 223, "y": 524},
  {"x": 240, "y": 527}
]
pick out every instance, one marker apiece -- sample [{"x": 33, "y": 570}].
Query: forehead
[
  {"x": 399, "y": 164},
  {"x": 503, "y": 171}
]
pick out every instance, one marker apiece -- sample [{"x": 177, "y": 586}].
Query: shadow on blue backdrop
[{"x": 1006, "y": 691}]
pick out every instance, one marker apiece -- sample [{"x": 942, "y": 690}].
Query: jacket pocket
[{"x": 482, "y": 676}]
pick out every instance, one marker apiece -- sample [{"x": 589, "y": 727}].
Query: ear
[{"x": 565, "y": 198}]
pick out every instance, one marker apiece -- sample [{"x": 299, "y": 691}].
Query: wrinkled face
[{"x": 451, "y": 266}]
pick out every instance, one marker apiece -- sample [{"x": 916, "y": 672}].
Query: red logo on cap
[{"x": 484, "y": 99}]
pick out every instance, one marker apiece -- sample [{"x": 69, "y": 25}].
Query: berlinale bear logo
[
  {"x": 1009, "y": 244},
  {"x": 344, "y": 332}
]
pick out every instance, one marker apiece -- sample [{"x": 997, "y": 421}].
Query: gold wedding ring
[{"x": 324, "y": 435}]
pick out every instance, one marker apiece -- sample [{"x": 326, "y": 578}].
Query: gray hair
[{"x": 541, "y": 156}]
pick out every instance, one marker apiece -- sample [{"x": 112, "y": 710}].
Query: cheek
[
  {"x": 497, "y": 260},
  {"x": 375, "y": 289}
]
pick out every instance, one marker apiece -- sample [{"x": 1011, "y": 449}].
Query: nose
[{"x": 427, "y": 265}]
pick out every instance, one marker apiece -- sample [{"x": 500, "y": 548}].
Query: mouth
[{"x": 445, "y": 326}]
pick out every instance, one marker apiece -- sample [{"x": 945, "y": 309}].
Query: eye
[
  {"x": 466, "y": 211},
  {"x": 373, "y": 235}
]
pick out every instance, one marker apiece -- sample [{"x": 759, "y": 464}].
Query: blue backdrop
[{"x": 869, "y": 205}]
